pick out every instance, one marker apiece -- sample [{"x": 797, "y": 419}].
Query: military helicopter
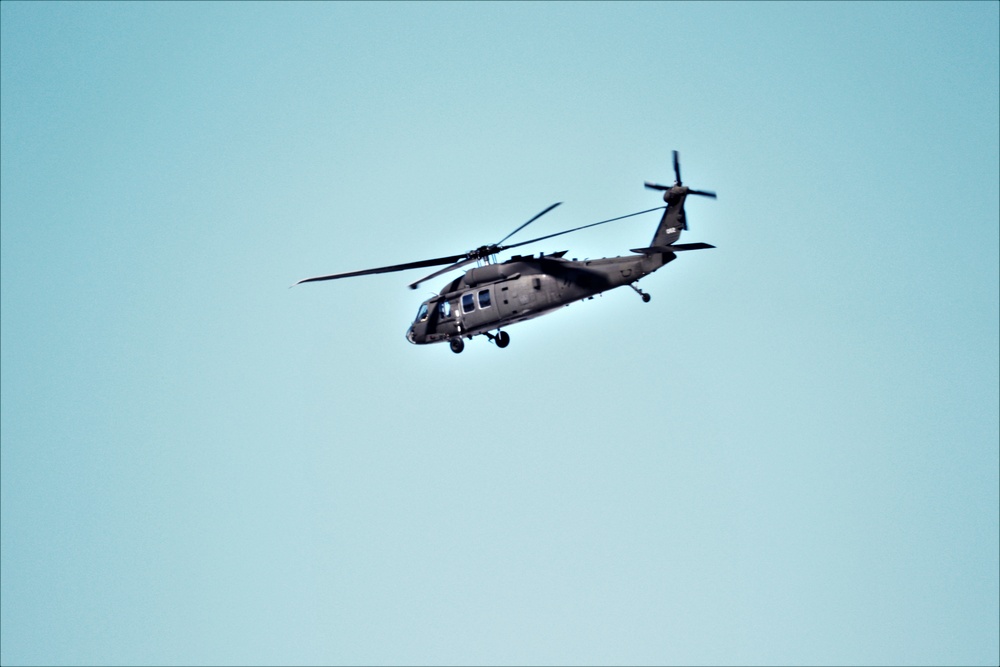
[{"x": 494, "y": 295}]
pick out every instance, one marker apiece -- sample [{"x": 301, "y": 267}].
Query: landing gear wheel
[
  {"x": 645, "y": 297},
  {"x": 502, "y": 339},
  {"x": 457, "y": 345}
]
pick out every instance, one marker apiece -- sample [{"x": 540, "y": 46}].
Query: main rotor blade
[
  {"x": 386, "y": 269},
  {"x": 416, "y": 284},
  {"x": 576, "y": 229},
  {"x": 528, "y": 222}
]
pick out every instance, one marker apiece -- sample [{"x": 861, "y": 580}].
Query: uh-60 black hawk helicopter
[{"x": 494, "y": 295}]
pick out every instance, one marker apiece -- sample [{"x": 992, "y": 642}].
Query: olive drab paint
[{"x": 494, "y": 295}]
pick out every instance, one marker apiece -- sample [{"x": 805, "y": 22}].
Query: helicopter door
[
  {"x": 477, "y": 307},
  {"x": 446, "y": 320}
]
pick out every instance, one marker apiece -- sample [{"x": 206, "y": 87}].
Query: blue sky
[{"x": 790, "y": 456}]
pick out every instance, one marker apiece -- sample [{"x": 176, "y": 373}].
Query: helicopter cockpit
[{"x": 435, "y": 321}]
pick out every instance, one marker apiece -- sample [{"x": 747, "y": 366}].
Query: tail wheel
[
  {"x": 503, "y": 339},
  {"x": 457, "y": 345}
]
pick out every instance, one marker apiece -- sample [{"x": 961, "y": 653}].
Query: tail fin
[{"x": 673, "y": 220}]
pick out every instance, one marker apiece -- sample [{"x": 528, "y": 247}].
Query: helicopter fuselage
[{"x": 494, "y": 296}]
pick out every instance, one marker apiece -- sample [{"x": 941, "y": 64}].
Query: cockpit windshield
[{"x": 422, "y": 313}]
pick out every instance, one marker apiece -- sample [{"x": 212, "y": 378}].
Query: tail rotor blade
[
  {"x": 677, "y": 167},
  {"x": 656, "y": 186},
  {"x": 703, "y": 193}
]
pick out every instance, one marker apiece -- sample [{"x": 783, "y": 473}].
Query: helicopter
[{"x": 494, "y": 295}]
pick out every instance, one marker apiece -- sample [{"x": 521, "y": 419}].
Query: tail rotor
[
  {"x": 678, "y": 188},
  {"x": 674, "y": 220}
]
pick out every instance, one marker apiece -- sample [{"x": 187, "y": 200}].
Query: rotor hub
[{"x": 484, "y": 252}]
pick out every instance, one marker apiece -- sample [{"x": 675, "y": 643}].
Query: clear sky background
[{"x": 790, "y": 456}]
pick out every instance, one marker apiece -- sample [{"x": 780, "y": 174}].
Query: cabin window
[
  {"x": 445, "y": 309},
  {"x": 422, "y": 313},
  {"x": 484, "y": 298},
  {"x": 468, "y": 305}
]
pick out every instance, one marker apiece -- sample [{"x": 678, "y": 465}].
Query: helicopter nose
[{"x": 409, "y": 336}]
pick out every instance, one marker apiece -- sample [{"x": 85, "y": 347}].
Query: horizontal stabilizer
[{"x": 677, "y": 247}]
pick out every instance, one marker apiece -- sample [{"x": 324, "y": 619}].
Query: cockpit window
[
  {"x": 445, "y": 309},
  {"x": 484, "y": 298},
  {"x": 422, "y": 313},
  {"x": 468, "y": 305}
]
